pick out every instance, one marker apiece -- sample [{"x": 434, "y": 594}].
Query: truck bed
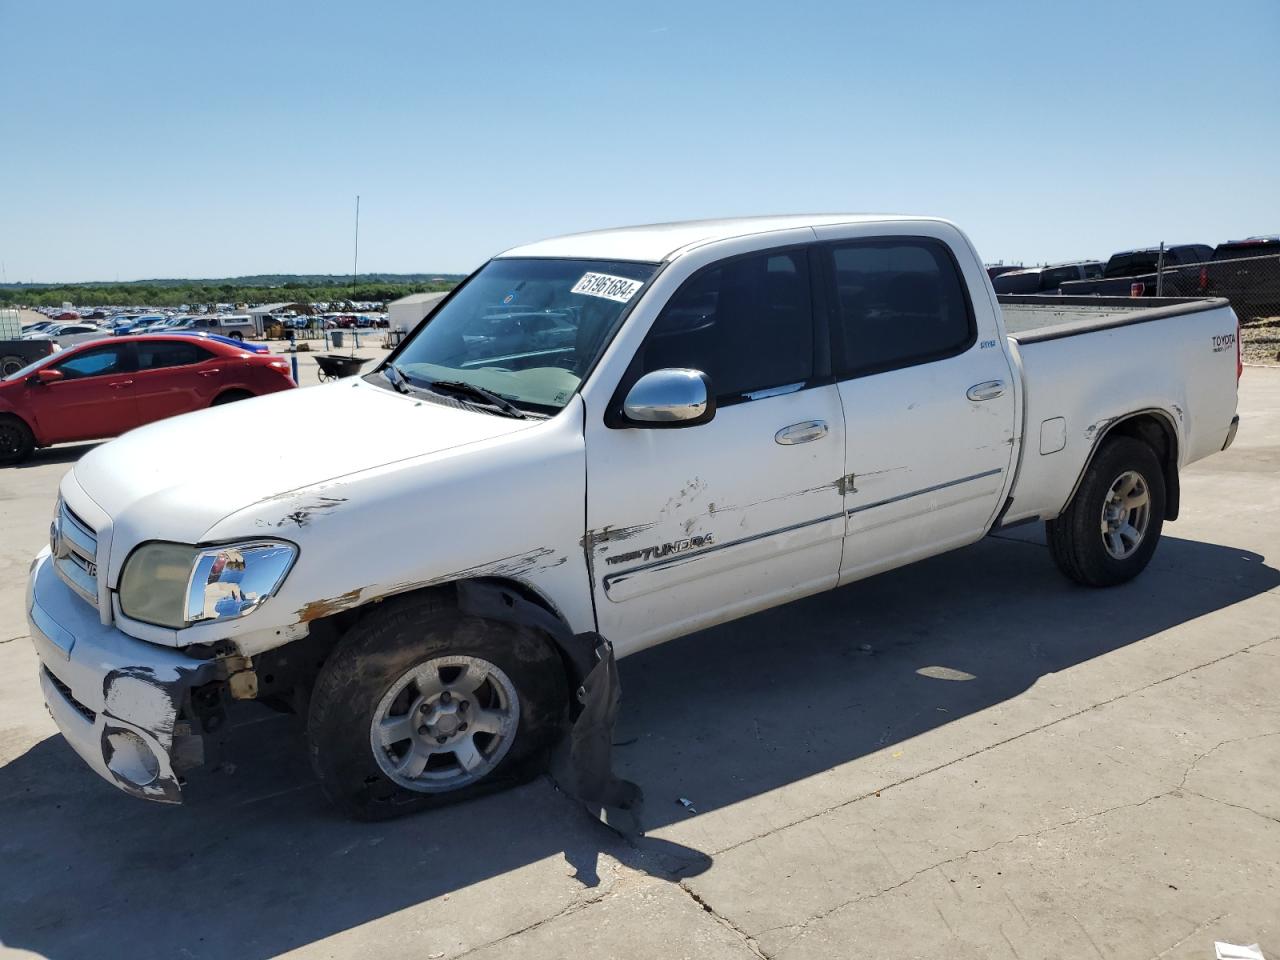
[
  {"x": 1031, "y": 319},
  {"x": 1182, "y": 369}
]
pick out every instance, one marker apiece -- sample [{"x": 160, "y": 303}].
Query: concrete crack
[
  {"x": 747, "y": 940},
  {"x": 863, "y": 898},
  {"x": 999, "y": 743},
  {"x": 1218, "y": 746},
  {"x": 1237, "y": 806},
  {"x": 11, "y": 639},
  {"x": 1168, "y": 950}
]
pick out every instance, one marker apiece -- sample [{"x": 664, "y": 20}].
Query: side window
[
  {"x": 169, "y": 353},
  {"x": 898, "y": 302},
  {"x": 94, "y": 363},
  {"x": 747, "y": 323}
]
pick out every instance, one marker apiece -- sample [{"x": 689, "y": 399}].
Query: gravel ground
[{"x": 1260, "y": 341}]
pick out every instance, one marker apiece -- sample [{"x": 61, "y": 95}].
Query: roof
[
  {"x": 416, "y": 298},
  {"x": 662, "y": 241}
]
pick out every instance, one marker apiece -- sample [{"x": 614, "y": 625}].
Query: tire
[
  {"x": 16, "y": 440},
  {"x": 1087, "y": 541},
  {"x": 364, "y": 678},
  {"x": 237, "y": 335},
  {"x": 11, "y": 363},
  {"x": 231, "y": 396}
]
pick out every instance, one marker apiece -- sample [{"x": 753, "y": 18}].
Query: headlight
[{"x": 175, "y": 585}]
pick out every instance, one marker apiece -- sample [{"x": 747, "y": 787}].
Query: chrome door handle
[
  {"x": 986, "y": 391},
  {"x": 801, "y": 432}
]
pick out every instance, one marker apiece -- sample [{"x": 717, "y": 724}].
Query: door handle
[
  {"x": 209, "y": 373},
  {"x": 120, "y": 383},
  {"x": 801, "y": 432},
  {"x": 986, "y": 391}
]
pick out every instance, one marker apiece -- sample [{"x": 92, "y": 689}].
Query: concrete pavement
[{"x": 969, "y": 757}]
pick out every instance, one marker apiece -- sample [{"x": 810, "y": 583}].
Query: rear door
[
  {"x": 175, "y": 376},
  {"x": 928, "y": 396},
  {"x": 94, "y": 399},
  {"x": 693, "y": 526}
]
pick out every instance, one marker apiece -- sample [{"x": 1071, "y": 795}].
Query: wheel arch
[
  {"x": 1154, "y": 427},
  {"x": 496, "y": 598},
  {"x": 26, "y": 422}
]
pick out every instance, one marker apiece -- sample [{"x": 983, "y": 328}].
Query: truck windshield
[{"x": 527, "y": 330}]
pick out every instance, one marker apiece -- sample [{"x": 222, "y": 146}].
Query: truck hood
[{"x": 175, "y": 479}]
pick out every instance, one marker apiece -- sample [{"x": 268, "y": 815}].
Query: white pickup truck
[{"x": 598, "y": 443}]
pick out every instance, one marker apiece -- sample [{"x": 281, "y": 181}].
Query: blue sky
[{"x": 163, "y": 139}]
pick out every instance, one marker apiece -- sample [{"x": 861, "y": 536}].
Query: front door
[
  {"x": 928, "y": 399},
  {"x": 693, "y": 526},
  {"x": 94, "y": 399}
]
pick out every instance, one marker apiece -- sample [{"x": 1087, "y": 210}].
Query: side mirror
[
  {"x": 670, "y": 398},
  {"x": 48, "y": 375}
]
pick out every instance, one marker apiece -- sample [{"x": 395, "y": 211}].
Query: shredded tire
[{"x": 378, "y": 650}]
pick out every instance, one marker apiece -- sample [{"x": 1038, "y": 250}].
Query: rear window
[
  {"x": 899, "y": 301},
  {"x": 1052, "y": 279},
  {"x": 1017, "y": 283},
  {"x": 1236, "y": 251},
  {"x": 1133, "y": 264}
]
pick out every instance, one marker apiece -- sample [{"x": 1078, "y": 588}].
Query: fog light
[{"x": 131, "y": 759}]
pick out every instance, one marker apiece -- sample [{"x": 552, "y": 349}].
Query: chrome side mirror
[{"x": 670, "y": 398}]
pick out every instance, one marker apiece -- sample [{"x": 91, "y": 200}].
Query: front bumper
[{"x": 117, "y": 700}]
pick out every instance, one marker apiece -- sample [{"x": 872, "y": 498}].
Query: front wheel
[
  {"x": 16, "y": 440},
  {"x": 421, "y": 706},
  {"x": 1110, "y": 529}
]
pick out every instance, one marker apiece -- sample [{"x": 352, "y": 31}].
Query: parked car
[
  {"x": 1246, "y": 272},
  {"x": 57, "y": 330},
  {"x": 700, "y": 443},
  {"x": 1132, "y": 270},
  {"x": 1036, "y": 280},
  {"x": 235, "y": 327},
  {"x": 1002, "y": 268},
  {"x": 103, "y": 388},
  {"x": 229, "y": 341}
]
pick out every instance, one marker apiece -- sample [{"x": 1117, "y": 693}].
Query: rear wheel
[
  {"x": 421, "y": 706},
  {"x": 1110, "y": 529},
  {"x": 11, "y": 363},
  {"x": 16, "y": 440},
  {"x": 237, "y": 335}
]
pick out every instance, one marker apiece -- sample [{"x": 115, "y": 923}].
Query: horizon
[{"x": 1045, "y": 137}]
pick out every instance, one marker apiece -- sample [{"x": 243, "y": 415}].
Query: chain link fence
[{"x": 1251, "y": 284}]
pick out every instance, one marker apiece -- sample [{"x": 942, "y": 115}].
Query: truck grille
[
  {"x": 67, "y": 695},
  {"x": 75, "y": 553}
]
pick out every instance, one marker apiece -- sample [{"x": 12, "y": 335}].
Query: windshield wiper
[
  {"x": 396, "y": 377},
  {"x": 487, "y": 397}
]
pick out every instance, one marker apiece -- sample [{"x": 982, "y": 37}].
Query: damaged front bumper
[{"x": 118, "y": 701}]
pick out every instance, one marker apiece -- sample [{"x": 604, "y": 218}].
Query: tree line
[{"x": 171, "y": 294}]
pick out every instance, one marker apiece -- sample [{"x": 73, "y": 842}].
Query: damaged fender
[{"x": 583, "y": 761}]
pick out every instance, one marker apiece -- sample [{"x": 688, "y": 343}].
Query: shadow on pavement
[
  {"x": 255, "y": 864},
  {"x": 65, "y": 453}
]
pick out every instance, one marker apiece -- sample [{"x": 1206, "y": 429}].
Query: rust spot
[
  {"x": 845, "y": 485},
  {"x": 325, "y": 608}
]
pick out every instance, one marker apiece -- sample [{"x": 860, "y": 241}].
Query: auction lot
[{"x": 968, "y": 757}]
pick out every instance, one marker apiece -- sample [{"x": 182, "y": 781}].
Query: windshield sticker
[{"x": 603, "y": 285}]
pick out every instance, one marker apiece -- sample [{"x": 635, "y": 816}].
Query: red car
[{"x": 104, "y": 387}]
